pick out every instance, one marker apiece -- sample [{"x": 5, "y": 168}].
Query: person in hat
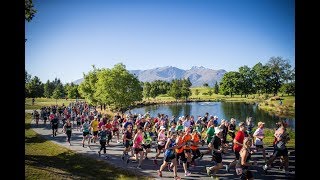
[
  {"x": 95, "y": 128},
  {"x": 259, "y": 136},
  {"x": 216, "y": 147},
  {"x": 238, "y": 143},
  {"x": 162, "y": 138}
]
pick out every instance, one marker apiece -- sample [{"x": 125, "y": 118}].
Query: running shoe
[
  {"x": 187, "y": 173},
  {"x": 208, "y": 171},
  {"x": 159, "y": 173},
  {"x": 227, "y": 168}
]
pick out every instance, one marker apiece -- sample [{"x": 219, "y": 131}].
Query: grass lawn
[
  {"x": 40, "y": 102},
  {"x": 47, "y": 160}
]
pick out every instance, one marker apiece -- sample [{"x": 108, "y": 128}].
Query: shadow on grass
[{"x": 76, "y": 165}]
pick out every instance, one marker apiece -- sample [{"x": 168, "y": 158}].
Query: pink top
[{"x": 137, "y": 143}]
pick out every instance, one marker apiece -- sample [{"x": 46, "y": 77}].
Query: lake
[{"x": 224, "y": 110}]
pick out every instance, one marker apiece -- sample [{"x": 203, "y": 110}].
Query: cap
[
  {"x": 260, "y": 123},
  {"x": 95, "y": 117},
  {"x": 162, "y": 127},
  {"x": 241, "y": 124},
  {"x": 217, "y": 130}
]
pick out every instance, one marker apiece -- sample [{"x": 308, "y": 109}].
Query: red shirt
[{"x": 239, "y": 137}]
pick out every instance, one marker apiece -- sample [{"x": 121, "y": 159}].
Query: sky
[{"x": 66, "y": 37}]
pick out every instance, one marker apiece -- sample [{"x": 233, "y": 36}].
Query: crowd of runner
[{"x": 176, "y": 139}]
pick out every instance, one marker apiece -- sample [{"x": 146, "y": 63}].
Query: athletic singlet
[
  {"x": 179, "y": 142},
  {"x": 195, "y": 138},
  {"x": 162, "y": 139},
  {"x": 147, "y": 138},
  {"x": 94, "y": 125},
  {"x": 68, "y": 127},
  {"x": 137, "y": 143},
  {"x": 85, "y": 127}
]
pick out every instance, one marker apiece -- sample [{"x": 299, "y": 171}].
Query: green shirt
[
  {"x": 180, "y": 127},
  {"x": 210, "y": 133}
]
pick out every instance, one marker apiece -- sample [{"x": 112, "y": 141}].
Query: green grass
[
  {"x": 47, "y": 160},
  {"x": 40, "y": 102}
]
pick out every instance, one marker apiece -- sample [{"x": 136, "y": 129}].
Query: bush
[{"x": 266, "y": 96}]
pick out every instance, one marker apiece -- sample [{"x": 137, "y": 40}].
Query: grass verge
[{"x": 47, "y": 160}]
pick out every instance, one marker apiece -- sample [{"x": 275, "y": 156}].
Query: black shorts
[
  {"x": 217, "y": 157},
  {"x": 246, "y": 174},
  {"x": 259, "y": 146},
  {"x": 161, "y": 147},
  {"x": 279, "y": 153},
  {"x": 85, "y": 133},
  {"x": 95, "y": 133},
  {"x": 127, "y": 144},
  {"x": 146, "y": 146},
  {"x": 54, "y": 126},
  {"x": 137, "y": 150},
  {"x": 169, "y": 158},
  {"x": 237, "y": 153},
  {"x": 187, "y": 151},
  {"x": 182, "y": 157}
]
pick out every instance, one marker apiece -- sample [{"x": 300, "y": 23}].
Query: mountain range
[{"x": 197, "y": 75}]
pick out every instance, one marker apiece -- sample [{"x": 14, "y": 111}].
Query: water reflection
[{"x": 224, "y": 110}]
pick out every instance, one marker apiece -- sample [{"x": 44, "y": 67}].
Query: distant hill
[{"x": 197, "y": 75}]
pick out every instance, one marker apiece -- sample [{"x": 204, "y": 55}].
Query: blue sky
[{"x": 66, "y": 37}]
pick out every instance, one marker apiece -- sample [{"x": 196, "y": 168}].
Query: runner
[
  {"x": 170, "y": 155},
  {"x": 127, "y": 139},
  {"x": 67, "y": 128},
  {"x": 280, "y": 148},
  {"x": 217, "y": 148},
  {"x": 54, "y": 124},
  {"x": 94, "y": 126},
  {"x": 238, "y": 140},
  {"x": 86, "y": 131},
  {"x": 115, "y": 128},
  {"x": 232, "y": 130},
  {"x": 180, "y": 152},
  {"x": 147, "y": 140},
  {"x": 195, "y": 139},
  {"x": 103, "y": 135},
  {"x": 244, "y": 164},
  {"x": 259, "y": 136},
  {"x": 161, "y": 143},
  {"x": 137, "y": 146}
]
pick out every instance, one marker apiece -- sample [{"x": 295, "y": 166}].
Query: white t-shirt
[{"x": 258, "y": 132}]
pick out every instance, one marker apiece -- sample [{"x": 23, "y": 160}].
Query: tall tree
[
  {"x": 146, "y": 90},
  {"x": 230, "y": 83},
  {"x": 216, "y": 88},
  {"x": 48, "y": 89},
  {"x": 185, "y": 88},
  {"x": 118, "y": 88},
  {"x": 58, "y": 92},
  {"x": 34, "y": 88},
  {"x": 245, "y": 81},
  {"x": 280, "y": 69},
  {"x": 175, "y": 90},
  {"x": 87, "y": 88}
]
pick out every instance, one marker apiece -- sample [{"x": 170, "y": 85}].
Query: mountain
[{"x": 198, "y": 75}]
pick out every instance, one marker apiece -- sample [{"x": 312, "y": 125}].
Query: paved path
[{"x": 149, "y": 169}]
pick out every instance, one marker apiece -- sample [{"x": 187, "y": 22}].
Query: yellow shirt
[{"x": 94, "y": 125}]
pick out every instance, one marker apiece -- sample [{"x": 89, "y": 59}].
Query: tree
[
  {"x": 280, "y": 72},
  {"x": 71, "y": 90},
  {"x": 146, "y": 89},
  {"x": 27, "y": 77},
  {"x": 34, "y": 88},
  {"x": 58, "y": 92},
  {"x": 196, "y": 92},
  {"x": 288, "y": 88},
  {"x": 87, "y": 88},
  {"x": 118, "y": 88},
  {"x": 29, "y": 10},
  {"x": 206, "y": 85},
  {"x": 175, "y": 90},
  {"x": 185, "y": 88},
  {"x": 48, "y": 89},
  {"x": 245, "y": 81},
  {"x": 210, "y": 92},
  {"x": 230, "y": 83},
  {"x": 216, "y": 88}
]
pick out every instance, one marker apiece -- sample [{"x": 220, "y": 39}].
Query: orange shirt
[
  {"x": 196, "y": 139},
  {"x": 179, "y": 142},
  {"x": 187, "y": 138}
]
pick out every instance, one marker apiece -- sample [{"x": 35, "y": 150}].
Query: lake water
[{"x": 224, "y": 110}]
